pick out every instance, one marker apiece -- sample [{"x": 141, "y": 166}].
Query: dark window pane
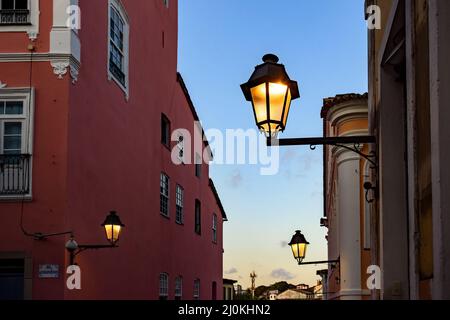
[
  {"x": 22, "y": 4},
  {"x": 7, "y": 4},
  {"x": 12, "y": 279},
  {"x": 165, "y": 130},
  {"x": 13, "y": 128},
  {"x": 198, "y": 218},
  {"x": 14, "y": 107}
]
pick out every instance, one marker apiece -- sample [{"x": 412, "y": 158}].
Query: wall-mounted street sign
[{"x": 48, "y": 271}]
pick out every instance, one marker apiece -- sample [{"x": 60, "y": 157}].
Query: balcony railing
[
  {"x": 15, "y": 174},
  {"x": 14, "y": 16}
]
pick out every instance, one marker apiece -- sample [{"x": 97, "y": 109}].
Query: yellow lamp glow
[
  {"x": 299, "y": 245},
  {"x": 113, "y": 226},
  {"x": 271, "y": 92}
]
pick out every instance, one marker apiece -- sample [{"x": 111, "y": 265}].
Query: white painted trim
[
  {"x": 347, "y": 294},
  {"x": 59, "y": 61},
  {"x": 351, "y": 110},
  {"x": 118, "y": 6},
  {"x": 28, "y": 96},
  {"x": 33, "y": 28}
]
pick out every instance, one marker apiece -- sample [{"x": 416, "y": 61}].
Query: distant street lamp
[
  {"x": 113, "y": 227},
  {"x": 271, "y": 92},
  {"x": 299, "y": 245}
]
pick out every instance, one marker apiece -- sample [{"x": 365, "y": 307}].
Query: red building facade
[{"x": 86, "y": 119}]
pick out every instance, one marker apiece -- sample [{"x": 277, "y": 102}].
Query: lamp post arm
[
  {"x": 319, "y": 262},
  {"x": 342, "y": 142},
  {"x": 84, "y": 247}
]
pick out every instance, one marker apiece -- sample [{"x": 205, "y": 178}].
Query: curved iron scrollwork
[
  {"x": 356, "y": 148},
  {"x": 342, "y": 142}
]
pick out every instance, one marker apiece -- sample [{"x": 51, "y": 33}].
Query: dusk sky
[{"x": 323, "y": 46}]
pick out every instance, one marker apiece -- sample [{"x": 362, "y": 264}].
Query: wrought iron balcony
[
  {"x": 15, "y": 174},
  {"x": 14, "y": 16}
]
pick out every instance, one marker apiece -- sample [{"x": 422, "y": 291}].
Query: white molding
[
  {"x": 349, "y": 293},
  {"x": 351, "y": 110},
  {"x": 32, "y": 29},
  {"x": 64, "y": 41},
  {"x": 60, "y": 68},
  {"x": 28, "y": 96},
  {"x": 3, "y": 85},
  {"x": 55, "y": 59}
]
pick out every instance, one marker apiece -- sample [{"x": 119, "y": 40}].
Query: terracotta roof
[{"x": 328, "y": 103}]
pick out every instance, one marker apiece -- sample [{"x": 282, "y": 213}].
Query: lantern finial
[{"x": 270, "y": 58}]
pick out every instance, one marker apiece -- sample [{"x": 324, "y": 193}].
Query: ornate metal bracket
[{"x": 342, "y": 142}]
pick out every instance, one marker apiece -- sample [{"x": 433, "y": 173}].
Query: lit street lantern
[
  {"x": 113, "y": 226},
  {"x": 298, "y": 245},
  {"x": 271, "y": 92}
]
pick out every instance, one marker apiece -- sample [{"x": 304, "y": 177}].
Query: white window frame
[
  {"x": 164, "y": 285},
  {"x": 179, "y": 287},
  {"x": 196, "y": 294},
  {"x": 27, "y": 119},
  {"x": 167, "y": 196},
  {"x": 179, "y": 202},
  {"x": 120, "y": 9},
  {"x": 33, "y": 28},
  {"x": 214, "y": 228}
]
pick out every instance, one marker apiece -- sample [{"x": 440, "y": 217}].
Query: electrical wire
[{"x": 30, "y": 92}]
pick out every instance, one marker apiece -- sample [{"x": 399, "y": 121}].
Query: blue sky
[{"x": 323, "y": 46}]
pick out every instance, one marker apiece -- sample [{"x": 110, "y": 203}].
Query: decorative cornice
[
  {"x": 59, "y": 61},
  {"x": 60, "y": 68}
]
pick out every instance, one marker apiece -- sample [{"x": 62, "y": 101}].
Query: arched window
[
  {"x": 118, "y": 45},
  {"x": 163, "y": 286},
  {"x": 178, "y": 288},
  {"x": 197, "y": 289}
]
